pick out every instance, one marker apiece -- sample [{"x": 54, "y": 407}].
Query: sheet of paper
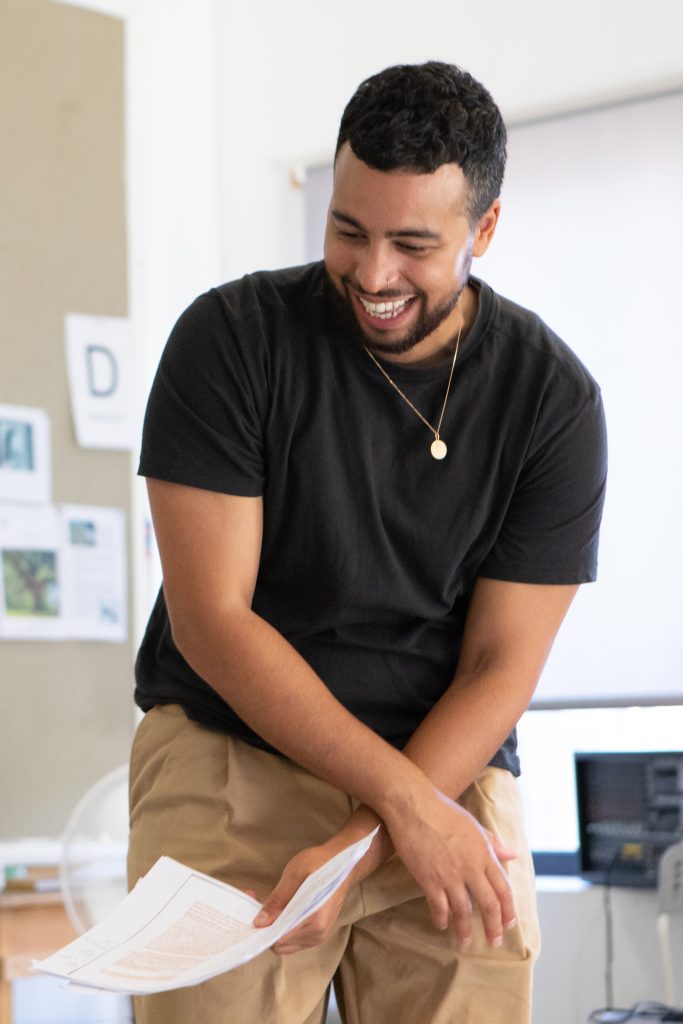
[
  {"x": 93, "y": 548},
  {"x": 30, "y": 576},
  {"x": 99, "y": 355},
  {"x": 25, "y": 467},
  {"x": 179, "y": 927},
  {"x": 62, "y": 573}
]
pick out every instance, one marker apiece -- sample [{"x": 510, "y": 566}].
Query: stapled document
[{"x": 179, "y": 927}]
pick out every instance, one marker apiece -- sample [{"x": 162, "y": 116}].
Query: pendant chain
[{"x": 437, "y": 445}]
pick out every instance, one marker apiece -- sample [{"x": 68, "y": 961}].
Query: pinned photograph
[
  {"x": 83, "y": 532},
  {"x": 24, "y": 454},
  {"x": 30, "y": 582},
  {"x": 16, "y": 444}
]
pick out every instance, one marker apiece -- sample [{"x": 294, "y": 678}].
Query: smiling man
[
  {"x": 402, "y": 258},
  {"x": 376, "y": 486}
]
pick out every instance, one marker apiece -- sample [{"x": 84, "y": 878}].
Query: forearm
[
  {"x": 276, "y": 692},
  {"x": 210, "y": 550},
  {"x": 462, "y": 732},
  {"x": 508, "y": 636},
  {"x": 281, "y": 698},
  {"x": 509, "y": 633},
  {"x": 452, "y": 745}
]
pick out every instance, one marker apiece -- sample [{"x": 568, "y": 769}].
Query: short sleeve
[
  {"x": 203, "y": 423},
  {"x": 551, "y": 527}
]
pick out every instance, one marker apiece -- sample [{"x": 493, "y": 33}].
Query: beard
[{"x": 427, "y": 322}]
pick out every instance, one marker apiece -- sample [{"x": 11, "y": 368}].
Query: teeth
[{"x": 384, "y": 310}]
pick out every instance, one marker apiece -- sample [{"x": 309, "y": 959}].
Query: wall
[
  {"x": 172, "y": 174},
  {"x": 570, "y": 976},
  {"x": 66, "y": 707},
  {"x": 285, "y": 72}
]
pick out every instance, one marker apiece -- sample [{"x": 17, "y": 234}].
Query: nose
[{"x": 375, "y": 270}]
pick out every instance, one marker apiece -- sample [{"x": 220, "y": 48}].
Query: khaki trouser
[{"x": 239, "y": 814}]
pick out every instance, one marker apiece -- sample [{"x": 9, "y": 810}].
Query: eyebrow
[{"x": 422, "y": 233}]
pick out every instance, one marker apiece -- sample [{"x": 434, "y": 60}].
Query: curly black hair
[{"x": 420, "y": 116}]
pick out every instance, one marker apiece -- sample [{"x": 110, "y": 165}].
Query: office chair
[{"x": 670, "y": 906}]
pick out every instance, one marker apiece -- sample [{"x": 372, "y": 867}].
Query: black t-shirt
[{"x": 370, "y": 546}]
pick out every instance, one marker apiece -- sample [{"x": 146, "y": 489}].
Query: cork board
[{"x": 67, "y": 713}]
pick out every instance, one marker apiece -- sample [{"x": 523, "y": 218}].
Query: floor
[
  {"x": 333, "y": 1012},
  {"x": 46, "y": 1001}
]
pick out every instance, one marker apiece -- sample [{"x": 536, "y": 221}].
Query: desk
[{"x": 32, "y": 925}]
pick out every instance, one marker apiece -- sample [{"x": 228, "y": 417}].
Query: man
[{"x": 376, "y": 486}]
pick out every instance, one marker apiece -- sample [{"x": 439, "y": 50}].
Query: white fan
[{"x": 92, "y": 870}]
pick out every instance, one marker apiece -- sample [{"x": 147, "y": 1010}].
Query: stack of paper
[{"x": 179, "y": 927}]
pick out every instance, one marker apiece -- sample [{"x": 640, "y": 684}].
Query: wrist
[
  {"x": 363, "y": 821},
  {"x": 405, "y": 799},
  {"x": 381, "y": 849}
]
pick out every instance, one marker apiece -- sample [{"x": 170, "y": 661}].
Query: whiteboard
[{"x": 590, "y": 237}]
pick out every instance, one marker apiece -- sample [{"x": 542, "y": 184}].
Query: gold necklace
[{"x": 438, "y": 447}]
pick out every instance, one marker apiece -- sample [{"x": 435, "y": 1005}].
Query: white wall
[
  {"x": 172, "y": 171},
  {"x": 286, "y": 71},
  {"x": 570, "y": 975}
]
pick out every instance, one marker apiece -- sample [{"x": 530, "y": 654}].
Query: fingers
[
  {"x": 490, "y": 910},
  {"x": 440, "y": 909},
  {"x": 314, "y": 930},
  {"x": 503, "y": 890},
  {"x": 288, "y": 945},
  {"x": 498, "y": 905},
  {"x": 485, "y": 885},
  {"x": 316, "y": 927},
  {"x": 301, "y": 938},
  {"x": 496, "y": 913},
  {"x": 278, "y": 900},
  {"x": 502, "y": 852},
  {"x": 455, "y": 907},
  {"x": 461, "y": 913}
]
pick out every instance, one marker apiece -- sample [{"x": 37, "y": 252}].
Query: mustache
[{"x": 385, "y": 293}]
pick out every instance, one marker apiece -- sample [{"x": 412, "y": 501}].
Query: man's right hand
[{"x": 316, "y": 928}]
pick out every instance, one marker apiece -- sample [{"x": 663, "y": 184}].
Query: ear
[{"x": 485, "y": 229}]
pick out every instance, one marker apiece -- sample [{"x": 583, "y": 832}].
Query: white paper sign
[
  {"x": 100, "y": 367},
  {"x": 62, "y": 573},
  {"x": 25, "y": 468},
  {"x": 94, "y": 572}
]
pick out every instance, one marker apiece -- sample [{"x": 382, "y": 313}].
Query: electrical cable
[
  {"x": 609, "y": 945},
  {"x": 609, "y": 931},
  {"x": 641, "y": 1012}
]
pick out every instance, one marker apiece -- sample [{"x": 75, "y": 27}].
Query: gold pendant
[{"x": 438, "y": 448}]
